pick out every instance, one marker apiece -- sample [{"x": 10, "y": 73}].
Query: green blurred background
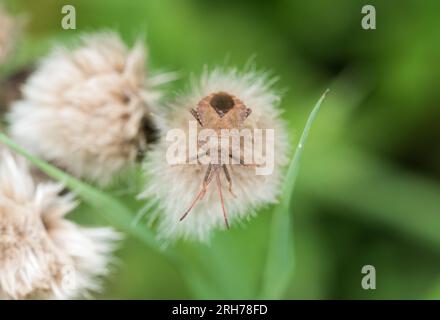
[{"x": 369, "y": 186}]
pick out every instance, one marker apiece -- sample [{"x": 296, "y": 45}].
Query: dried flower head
[
  {"x": 43, "y": 255},
  {"x": 10, "y": 88},
  {"x": 222, "y": 98},
  {"x": 88, "y": 110},
  {"x": 9, "y": 29}
]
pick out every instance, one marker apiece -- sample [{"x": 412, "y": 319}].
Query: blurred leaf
[
  {"x": 434, "y": 292},
  {"x": 365, "y": 187},
  {"x": 279, "y": 263},
  {"x": 230, "y": 266}
]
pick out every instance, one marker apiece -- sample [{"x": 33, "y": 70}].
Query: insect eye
[{"x": 222, "y": 103}]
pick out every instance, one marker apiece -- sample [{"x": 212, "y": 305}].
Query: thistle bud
[
  {"x": 195, "y": 198},
  {"x": 87, "y": 110},
  {"x": 43, "y": 255}
]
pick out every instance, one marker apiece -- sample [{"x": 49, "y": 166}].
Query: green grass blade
[
  {"x": 110, "y": 208},
  {"x": 279, "y": 264},
  {"x": 119, "y": 215}
]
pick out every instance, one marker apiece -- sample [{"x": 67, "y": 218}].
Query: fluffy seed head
[
  {"x": 43, "y": 255},
  {"x": 87, "y": 110},
  {"x": 173, "y": 187},
  {"x": 9, "y": 30}
]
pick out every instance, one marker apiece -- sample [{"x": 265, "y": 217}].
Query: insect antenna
[
  {"x": 197, "y": 198},
  {"x": 206, "y": 181},
  {"x": 219, "y": 187}
]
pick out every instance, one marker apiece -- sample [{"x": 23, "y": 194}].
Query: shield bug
[{"x": 219, "y": 111}]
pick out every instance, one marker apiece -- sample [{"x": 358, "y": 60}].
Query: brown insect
[{"x": 219, "y": 111}]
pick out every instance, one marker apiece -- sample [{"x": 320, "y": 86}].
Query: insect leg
[
  {"x": 248, "y": 112},
  {"x": 228, "y": 177},
  {"x": 196, "y": 157},
  {"x": 201, "y": 193},
  {"x": 196, "y": 115},
  {"x": 241, "y": 161},
  {"x": 219, "y": 187}
]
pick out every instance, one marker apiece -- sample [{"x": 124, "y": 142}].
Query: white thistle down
[
  {"x": 86, "y": 110},
  {"x": 173, "y": 188},
  {"x": 43, "y": 255}
]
